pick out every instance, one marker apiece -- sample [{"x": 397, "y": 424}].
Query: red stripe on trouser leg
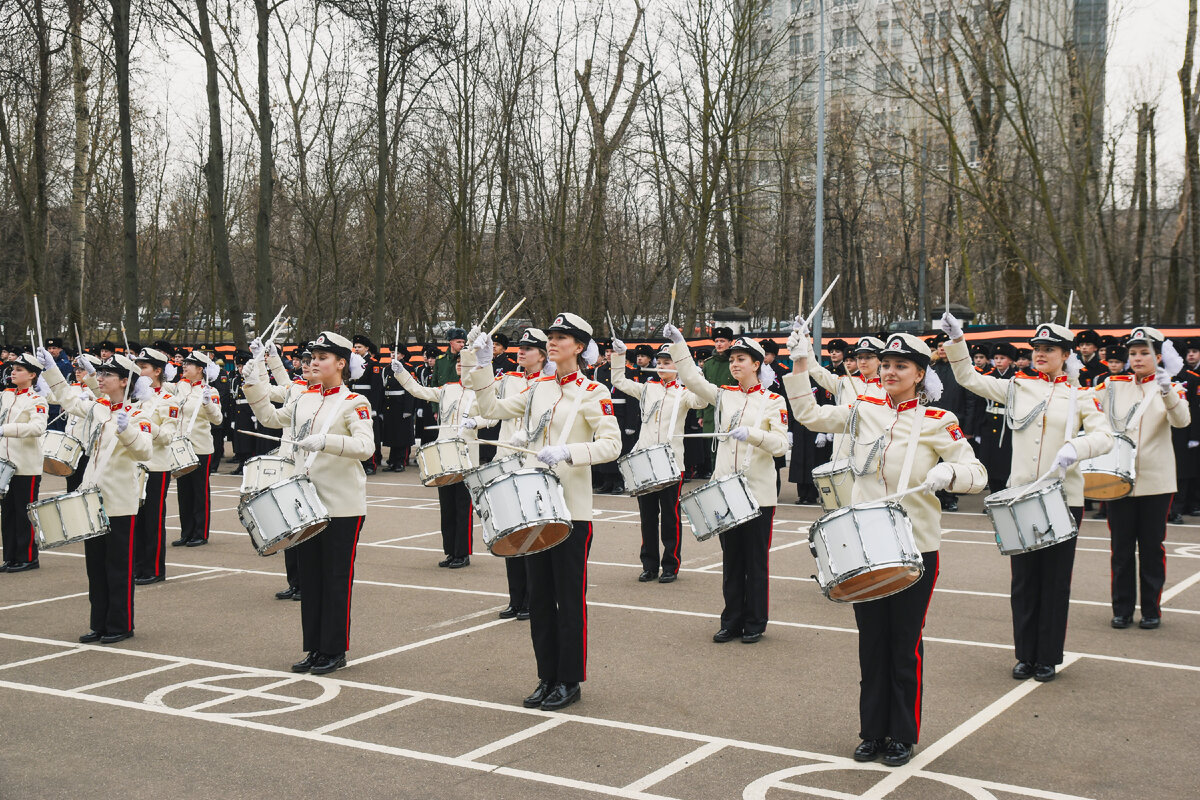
[
  {"x": 350, "y": 583},
  {"x": 678, "y": 523},
  {"x": 587, "y": 547},
  {"x": 33, "y": 487},
  {"x": 129, "y": 578},
  {"x": 160, "y": 523},
  {"x": 917, "y": 650},
  {"x": 470, "y": 529}
]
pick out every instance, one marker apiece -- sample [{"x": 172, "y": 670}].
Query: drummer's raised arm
[
  {"x": 969, "y": 378},
  {"x": 824, "y": 378},
  {"x": 691, "y": 376},
  {"x": 259, "y": 395},
  {"x": 431, "y": 393},
  {"x": 484, "y": 383},
  {"x": 622, "y": 383},
  {"x": 60, "y": 392},
  {"x": 824, "y": 419}
]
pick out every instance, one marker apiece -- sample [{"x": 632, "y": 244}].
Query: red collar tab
[
  {"x": 568, "y": 379},
  {"x": 327, "y": 392},
  {"x": 907, "y": 405},
  {"x": 22, "y": 391},
  {"x": 1147, "y": 379},
  {"x": 1060, "y": 379},
  {"x": 872, "y": 381}
]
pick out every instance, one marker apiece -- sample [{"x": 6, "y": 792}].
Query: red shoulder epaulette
[
  {"x": 515, "y": 374},
  {"x": 1026, "y": 376},
  {"x": 592, "y": 386},
  {"x": 734, "y": 388},
  {"x": 1125, "y": 378},
  {"x": 546, "y": 378},
  {"x": 772, "y": 396},
  {"x": 935, "y": 413},
  {"x": 879, "y": 401}
]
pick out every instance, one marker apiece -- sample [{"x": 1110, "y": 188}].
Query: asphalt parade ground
[{"x": 201, "y": 703}]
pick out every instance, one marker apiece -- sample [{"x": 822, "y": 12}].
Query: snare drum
[
  {"x": 478, "y": 478},
  {"x": 60, "y": 453},
  {"x": 865, "y": 552},
  {"x": 834, "y": 480},
  {"x": 523, "y": 512},
  {"x": 182, "y": 456},
  {"x": 444, "y": 461},
  {"x": 1110, "y": 476},
  {"x": 283, "y": 515},
  {"x": 719, "y": 505},
  {"x": 1030, "y": 517},
  {"x": 7, "y": 470},
  {"x": 648, "y": 470},
  {"x": 262, "y": 471},
  {"x": 68, "y": 518}
]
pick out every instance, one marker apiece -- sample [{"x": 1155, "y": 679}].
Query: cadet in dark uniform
[
  {"x": 606, "y": 478},
  {"x": 399, "y": 405},
  {"x": 220, "y": 431},
  {"x": 1087, "y": 343},
  {"x": 837, "y": 356},
  {"x": 423, "y": 411},
  {"x": 370, "y": 386},
  {"x": 995, "y": 440}
]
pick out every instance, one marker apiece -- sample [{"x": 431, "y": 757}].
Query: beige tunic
[
  {"x": 22, "y": 422},
  {"x": 658, "y": 401},
  {"x": 162, "y": 410},
  {"x": 199, "y": 433},
  {"x": 1121, "y": 398}
]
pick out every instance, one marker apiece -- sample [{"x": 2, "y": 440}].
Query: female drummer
[
  {"x": 159, "y": 405},
  {"x": 22, "y": 422},
  {"x": 845, "y": 388},
  {"x": 569, "y": 420},
  {"x": 890, "y": 639},
  {"x": 1044, "y": 411},
  {"x": 1144, "y": 405},
  {"x": 664, "y": 405},
  {"x": 123, "y": 438},
  {"x": 334, "y": 434},
  {"x": 83, "y": 429},
  {"x": 199, "y": 410},
  {"x": 455, "y": 421},
  {"x": 753, "y": 423}
]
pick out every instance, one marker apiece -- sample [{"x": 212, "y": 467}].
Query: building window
[
  {"x": 794, "y": 45},
  {"x": 837, "y": 38},
  {"x": 808, "y": 44},
  {"x": 881, "y": 77}
]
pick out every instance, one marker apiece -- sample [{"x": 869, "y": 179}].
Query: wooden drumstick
[
  {"x": 269, "y": 438},
  {"x": 700, "y": 435},
  {"x": 671, "y": 310},
  {"x": 1070, "y": 302},
  {"x": 273, "y": 328},
  {"x": 821, "y": 302},
  {"x": 505, "y": 318},
  {"x": 508, "y": 446},
  {"x": 483, "y": 320},
  {"x": 37, "y": 315}
]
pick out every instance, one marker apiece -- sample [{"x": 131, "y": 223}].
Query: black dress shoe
[
  {"x": 4, "y": 567},
  {"x": 1176, "y": 519},
  {"x": 297, "y": 596},
  {"x": 508, "y": 613},
  {"x": 561, "y": 696},
  {"x": 1149, "y": 623},
  {"x": 1121, "y": 622},
  {"x": 668, "y": 577},
  {"x": 751, "y": 638},
  {"x": 307, "y": 663},
  {"x": 647, "y": 576},
  {"x": 113, "y": 638},
  {"x": 539, "y": 694},
  {"x": 445, "y": 562},
  {"x": 369, "y": 470},
  {"x": 523, "y": 613},
  {"x": 459, "y": 563},
  {"x": 897, "y": 753},
  {"x": 870, "y": 749},
  {"x": 197, "y": 542},
  {"x": 327, "y": 664},
  {"x": 1043, "y": 673},
  {"x": 179, "y": 543},
  {"x": 725, "y": 635},
  {"x": 146, "y": 580},
  {"x": 22, "y": 566},
  {"x": 90, "y": 636},
  {"x": 286, "y": 594},
  {"x": 1023, "y": 670}
]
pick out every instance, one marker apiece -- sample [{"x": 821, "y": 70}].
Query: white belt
[
  {"x": 359, "y": 387},
  {"x": 618, "y": 400},
  {"x": 241, "y": 402},
  {"x": 995, "y": 408},
  {"x": 396, "y": 394}
]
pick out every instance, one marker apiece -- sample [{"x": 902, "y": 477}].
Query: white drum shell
[
  {"x": 68, "y": 518},
  {"x": 477, "y": 479},
  {"x": 60, "y": 453},
  {"x": 1030, "y": 517},
  {"x": 7, "y": 470},
  {"x": 719, "y": 506},
  {"x": 835, "y": 482},
  {"x": 649, "y": 470},
  {"x": 276, "y": 515},
  {"x": 1118, "y": 462},
  {"x": 182, "y": 456},
  {"x": 444, "y": 461},
  {"x": 262, "y": 471},
  {"x": 851, "y": 541},
  {"x": 521, "y": 500}
]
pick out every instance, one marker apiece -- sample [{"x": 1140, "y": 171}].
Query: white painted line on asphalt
[
  {"x": 375, "y": 712},
  {"x": 129, "y": 677},
  {"x": 35, "y": 660},
  {"x": 1183, "y": 585},
  {"x": 414, "y": 645},
  {"x": 44, "y": 600},
  {"x": 519, "y": 736},
  {"x": 473, "y": 615},
  {"x": 399, "y": 538},
  {"x": 678, "y": 765}
]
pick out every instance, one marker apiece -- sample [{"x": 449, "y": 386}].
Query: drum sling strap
[{"x": 914, "y": 442}]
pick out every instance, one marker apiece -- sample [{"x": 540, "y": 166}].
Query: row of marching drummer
[{"x": 877, "y": 546}]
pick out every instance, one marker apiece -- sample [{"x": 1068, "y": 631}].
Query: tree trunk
[
  {"x": 382, "y": 72},
  {"x": 1191, "y": 140},
  {"x": 266, "y": 181},
  {"x": 77, "y": 220},
  {"x": 120, "y": 24}
]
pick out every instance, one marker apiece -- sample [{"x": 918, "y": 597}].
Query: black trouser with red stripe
[
  {"x": 326, "y": 580},
  {"x": 194, "y": 503},
  {"x": 891, "y": 655},
  {"x": 558, "y": 606},
  {"x": 1138, "y": 523},
  {"x": 660, "y": 516},
  {"x": 109, "y": 562},
  {"x": 1040, "y": 596},
  {"x": 455, "y": 501},
  {"x": 291, "y": 564},
  {"x": 745, "y": 574},
  {"x": 20, "y": 545},
  {"x": 518, "y": 583},
  {"x": 150, "y": 539}
]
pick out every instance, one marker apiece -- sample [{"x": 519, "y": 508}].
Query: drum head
[
  {"x": 874, "y": 584},
  {"x": 444, "y": 480},
  {"x": 179, "y": 473},
  {"x": 531, "y": 539},
  {"x": 52, "y": 466},
  {"x": 1105, "y": 486}
]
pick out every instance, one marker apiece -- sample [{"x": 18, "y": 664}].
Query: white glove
[
  {"x": 257, "y": 351},
  {"x": 142, "y": 388},
  {"x": 951, "y": 326},
  {"x": 741, "y": 434},
  {"x": 618, "y": 346},
  {"x": 673, "y": 333},
  {"x": 469, "y": 424},
  {"x": 1164, "y": 380},
  {"x": 791, "y": 440},
  {"x": 519, "y": 439},
  {"x": 272, "y": 349},
  {"x": 170, "y": 371},
  {"x": 250, "y": 375},
  {"x": 1067, "y": 455},
  {"x": 938, "y": 478},
  {"x": 475, "y": 333},
  {"x": 84, "y": 364},
  {"x": 766, "y": 375},
  {"x": 312, "y": 444},
  {"x": 397, "y": 366},
  {"x": 122, "y": 421},
  {"x": 630, "y": 431},
  {"x": 823, "y": 439},
  {"x": 1193, "y": 444},
  {"x": 44, "y": 358},
  {"x": 205, "y": 396},
  {"x": 482, "y": 345},
  {"x": 799, "y": 344},
  {"x": 1073, "y": 366},
  {"x": 554, "y": 453}
]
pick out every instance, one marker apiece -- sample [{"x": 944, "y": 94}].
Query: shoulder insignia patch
[
  {"x": 592, "y": 386},
  {"x": 606, "y": 407},
  {"x": 173, "y": 412},
  {"x": 39, "y": 409},
  {"x": 935, "y": 413},
  {"x": 376, "y": 368},
  {"x": 783, "y": 416},
  {"x": 772, "y": 396},
  {"x": 145, "y": 426},
  {"x": 956, "y": 433},
  {"x": 363, "y": 412}
]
